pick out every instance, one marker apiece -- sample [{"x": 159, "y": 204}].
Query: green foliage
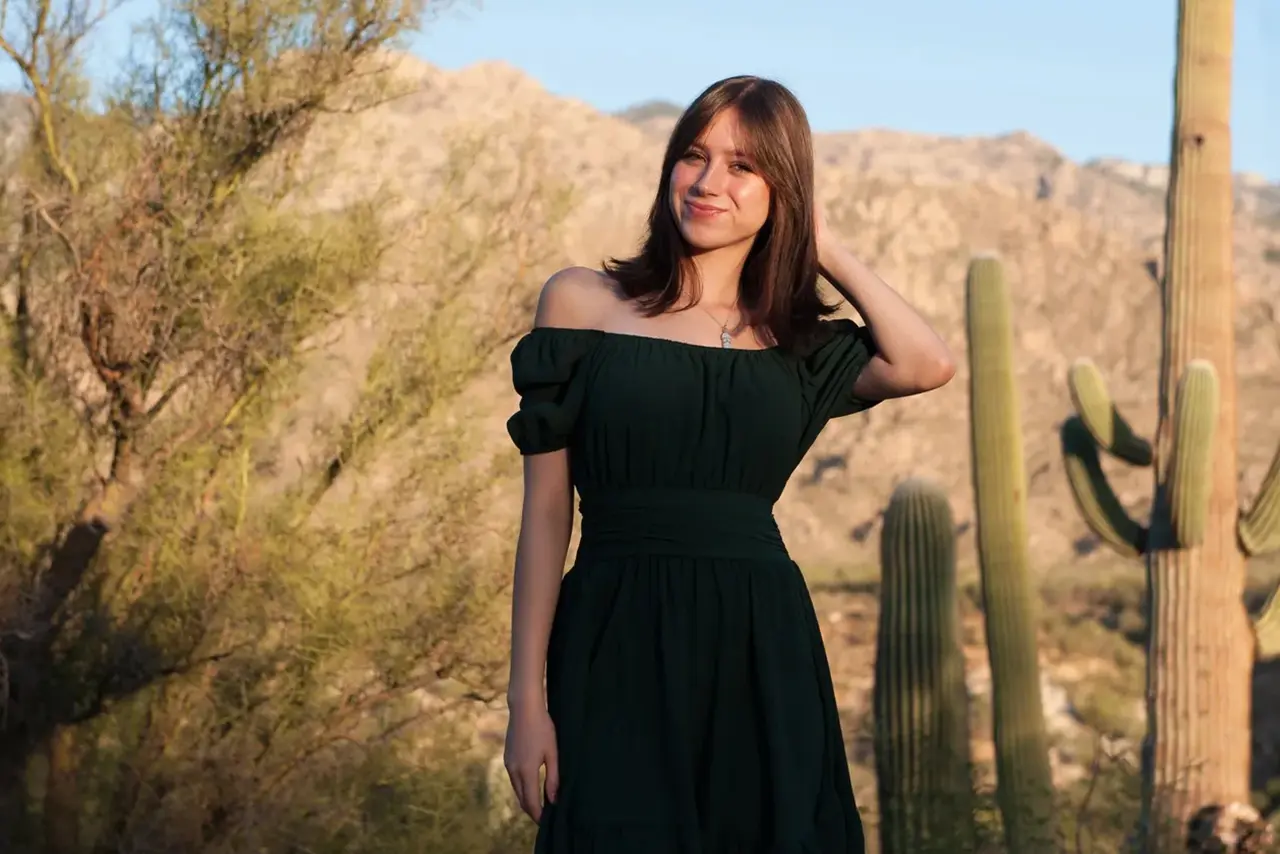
[
  {"x": 1009, "y": 603},
  {"x": 302, "y": 662},
  {"x": 42, "y": 465},
  {"x": 920, "y": 702},
  {"x": 205, "y": 649},
  {"x": 1099, "y": 812}
]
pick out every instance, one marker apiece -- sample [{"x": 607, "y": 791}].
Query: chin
[
  {"x": 708, "y": 240},
  {"x": 700, "y": 244}
]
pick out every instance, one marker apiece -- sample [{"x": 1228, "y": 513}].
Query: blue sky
[{"x": 1092, "y": 77}]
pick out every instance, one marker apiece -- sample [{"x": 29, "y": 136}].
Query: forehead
[{"x": 726, "y": 132}]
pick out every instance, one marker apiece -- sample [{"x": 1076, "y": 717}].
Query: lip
[{"x": 701, "y": 210}]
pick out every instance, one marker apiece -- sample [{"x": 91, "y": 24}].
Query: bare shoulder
[{"x": 576, "y": 298}]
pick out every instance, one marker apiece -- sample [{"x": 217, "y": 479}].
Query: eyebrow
[{"x": 736, "y": 152}]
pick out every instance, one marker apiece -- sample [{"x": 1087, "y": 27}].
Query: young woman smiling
[{"x": 688, "y": 706}]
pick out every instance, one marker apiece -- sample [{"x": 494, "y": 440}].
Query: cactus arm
[
  {"x": 1195, "y": 418},
  {"x": 1259, "y": 528},
  {"x": 1109, "y": 428},
  {"x": 1259, "y": 531},
  {"x": 1098, "y": 504},
  {"x": 1266, "y": 627}
]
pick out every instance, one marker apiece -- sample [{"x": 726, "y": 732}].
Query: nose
[{"x": 711, "y": 181}]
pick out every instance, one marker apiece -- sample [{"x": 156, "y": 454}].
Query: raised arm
[{"x": 910, "y": 356}]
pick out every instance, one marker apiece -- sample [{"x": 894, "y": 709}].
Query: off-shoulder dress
[{"x": 686, "y": 673}]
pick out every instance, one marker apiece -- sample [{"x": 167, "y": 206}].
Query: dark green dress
[{"x": 686, "y": 673}]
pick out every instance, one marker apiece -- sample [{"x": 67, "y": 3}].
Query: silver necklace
[{"x": 726, "y": 340}]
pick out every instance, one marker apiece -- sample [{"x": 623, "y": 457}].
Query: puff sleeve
[
  {"x": 828, "y": 369},
  {"x": 546, "y": 370}
]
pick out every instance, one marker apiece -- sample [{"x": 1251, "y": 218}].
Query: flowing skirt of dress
[{"x": 694, "y": 713}]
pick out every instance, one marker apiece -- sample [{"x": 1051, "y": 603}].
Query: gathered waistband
[{"x": 686, "y": 522}]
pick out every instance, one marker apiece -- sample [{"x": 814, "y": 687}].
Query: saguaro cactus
[
  {"x": 921, "y": 709},
  {"x": 1199, "y": 658},
  {"x": 1024, "y": 781}
]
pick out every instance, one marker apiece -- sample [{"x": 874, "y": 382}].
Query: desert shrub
[{"x": 205, "y": 646}]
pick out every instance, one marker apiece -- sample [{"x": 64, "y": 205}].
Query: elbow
[
  {"x": 940, "y": 371},
  {"x": 914, "y": 375},
  {"x": 932, "y": 372}
]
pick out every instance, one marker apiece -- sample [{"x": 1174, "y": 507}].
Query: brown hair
[{"x": 779, "y": 287}]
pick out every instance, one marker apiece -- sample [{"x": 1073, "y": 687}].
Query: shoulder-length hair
[{"x": 779, "y": 285}]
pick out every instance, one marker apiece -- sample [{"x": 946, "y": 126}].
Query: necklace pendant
[{"x": 726, "y": 340}]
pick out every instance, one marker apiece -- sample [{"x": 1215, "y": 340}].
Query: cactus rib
[
  {"x": 1259, "y": 528},
  {"x": 1099, "y": 413},
  {"x": 1195, "y": 419},
  {"x": 1098, "y": 504},
  {"x": 919, "y": 697}
]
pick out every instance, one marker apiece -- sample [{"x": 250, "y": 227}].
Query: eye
[
  {"x": 692, "y": 156},
  {"x": 741, "y": 166}
]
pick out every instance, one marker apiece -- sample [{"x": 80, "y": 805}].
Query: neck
[{"x": 719, "y": 274}]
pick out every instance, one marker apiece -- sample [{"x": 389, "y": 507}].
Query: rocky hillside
[{"x": 1079, "y": 242}]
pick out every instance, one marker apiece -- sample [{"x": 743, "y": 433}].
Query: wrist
[
  {"x": 824, "y": 261},
  {"x": 832, "y": 258},
  {"x": 525, "y": 697}
]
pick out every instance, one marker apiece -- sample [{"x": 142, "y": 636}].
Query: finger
[
  {"x": 518, "y": 786},
  {"x": 515, "y": 786},
  {"x": 553, "y": 776},
  {"x": 532, "y": 790}
]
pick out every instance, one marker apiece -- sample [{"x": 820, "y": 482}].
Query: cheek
[
  {"x": 682, "y": 176},
  {"x": 753, "y": 199}
]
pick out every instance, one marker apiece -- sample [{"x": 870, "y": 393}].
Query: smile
[{"x": 702, "y": 211}]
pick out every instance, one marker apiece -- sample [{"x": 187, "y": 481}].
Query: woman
[{"x": 688, "y": 705}]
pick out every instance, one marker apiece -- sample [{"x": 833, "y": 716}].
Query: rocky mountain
[{"x": 1079, "y": 241}]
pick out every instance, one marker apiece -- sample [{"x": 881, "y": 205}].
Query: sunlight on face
[{"x": 717, "y": 197}]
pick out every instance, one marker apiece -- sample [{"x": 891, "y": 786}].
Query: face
[{"x": 718, "y": 198}]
